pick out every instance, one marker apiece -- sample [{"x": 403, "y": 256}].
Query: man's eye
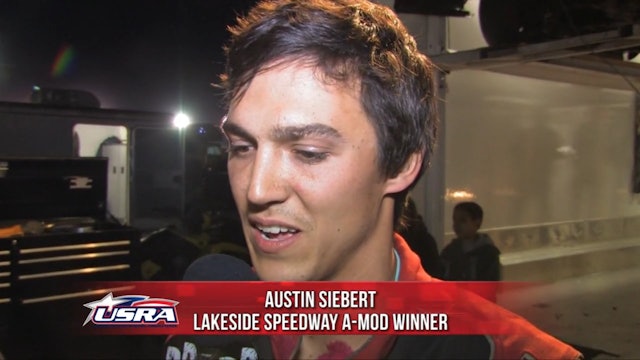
[
  {"x": 311, "y": 156},
  {"x": 238, "y": 149}
]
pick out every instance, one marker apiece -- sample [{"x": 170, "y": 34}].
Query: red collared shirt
[{"x": 522, "y": 340}]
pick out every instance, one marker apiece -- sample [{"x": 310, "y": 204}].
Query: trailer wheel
[{"x": 510, "y": 22}]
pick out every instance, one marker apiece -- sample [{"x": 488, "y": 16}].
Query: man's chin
[{"x": 280, "y": 273}]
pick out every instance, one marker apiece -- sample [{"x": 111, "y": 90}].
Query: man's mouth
[{"x": 275, "y": 233}]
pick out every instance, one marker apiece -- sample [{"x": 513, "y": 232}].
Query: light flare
[{"x": 64, "y": 61}]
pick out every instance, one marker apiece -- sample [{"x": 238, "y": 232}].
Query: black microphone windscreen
[{"x": 219, "y": 267}]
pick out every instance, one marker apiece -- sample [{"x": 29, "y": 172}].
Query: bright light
[
  {"x": 459, "y": 195},
  {"x": 181, "y": 120}
]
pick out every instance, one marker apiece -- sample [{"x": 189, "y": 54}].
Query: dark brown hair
[{"x": 470, "y": 208}]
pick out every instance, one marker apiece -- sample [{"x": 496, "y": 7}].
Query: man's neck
[
  {"x": 370, "y": 261},
  {"x": 338, "y": 346}
]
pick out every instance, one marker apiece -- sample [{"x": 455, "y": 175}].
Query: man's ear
[{"x": 406, "y": 176}]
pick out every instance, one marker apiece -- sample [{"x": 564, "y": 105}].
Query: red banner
[{"x": 274, "y": 308}]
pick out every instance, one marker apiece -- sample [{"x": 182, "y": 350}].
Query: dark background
[{"x": 159, "y": 55}]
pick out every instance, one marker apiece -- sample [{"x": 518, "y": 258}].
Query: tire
[{"x": 511, "y": 22}]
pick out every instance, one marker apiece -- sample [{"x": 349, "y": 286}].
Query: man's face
[
  {"x": 304, "y": 174},
  {"x": 463, "y": 225}
]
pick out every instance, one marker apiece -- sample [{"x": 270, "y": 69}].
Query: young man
[{"x": 330, "y": 123}]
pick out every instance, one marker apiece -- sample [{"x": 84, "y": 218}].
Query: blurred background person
[
  {"x": 471, "y": 256},
  {"x": 414, "y": 230}
]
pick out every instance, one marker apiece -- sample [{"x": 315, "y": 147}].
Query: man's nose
[{"x": 267, "y": 183}]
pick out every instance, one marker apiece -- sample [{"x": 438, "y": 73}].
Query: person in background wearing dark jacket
[
  {"x": 415, "y": 232},
  {"x": 471, "y": 256}
]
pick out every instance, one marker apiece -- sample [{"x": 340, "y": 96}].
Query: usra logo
[{"x": 132, "y": 310}]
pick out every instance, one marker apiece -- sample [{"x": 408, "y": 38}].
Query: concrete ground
[{"x": 599, "y": 313}]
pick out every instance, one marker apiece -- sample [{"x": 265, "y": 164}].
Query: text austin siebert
[{"x": 320, "y": 321}]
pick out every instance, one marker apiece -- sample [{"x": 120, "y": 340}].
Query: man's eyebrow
[
  {"x": 294, "y": 132},
  {"x": 234, "y": 129}
]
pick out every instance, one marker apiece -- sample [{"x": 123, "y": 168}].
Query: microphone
[{"x": 218, "y": 267}]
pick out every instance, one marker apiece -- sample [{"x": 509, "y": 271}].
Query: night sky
[{"x": 159, "y": 55}]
